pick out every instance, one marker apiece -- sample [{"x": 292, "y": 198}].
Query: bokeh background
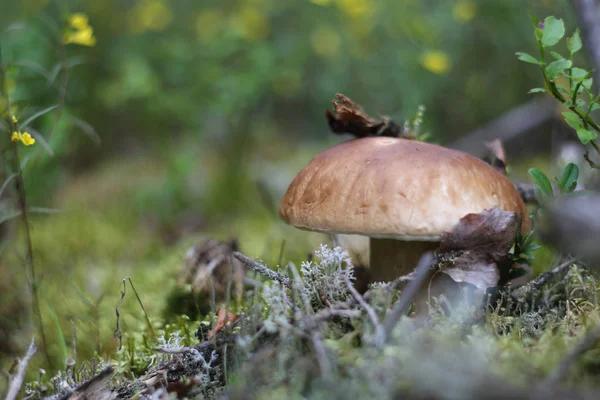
[{"x": 189, "y": 118}]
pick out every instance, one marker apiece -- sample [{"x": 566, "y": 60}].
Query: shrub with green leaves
[{"x": 570, "y": 85}]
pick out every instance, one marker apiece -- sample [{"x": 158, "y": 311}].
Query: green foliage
[
  {"x": 566, "y": 184},
  {"x": 524, "y": 248},
  {"x": 555, "y": 73}
]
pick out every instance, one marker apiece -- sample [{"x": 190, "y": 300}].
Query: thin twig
[
  {"x": 370, "y": 311},
  {"x": 17, "y": 381},
  {"x": 521, "y": 293},
  {"x": 422, "y": 273},
  {"x": 263, "y": 270},
  {"x": 324, "y": 364}
]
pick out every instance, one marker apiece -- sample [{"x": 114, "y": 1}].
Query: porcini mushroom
[{"x": 402, "y": 194}]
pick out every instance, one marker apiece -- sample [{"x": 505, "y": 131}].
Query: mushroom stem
[{"x": 390, "y": 258}]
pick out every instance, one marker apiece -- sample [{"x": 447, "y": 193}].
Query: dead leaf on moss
[
  {"x": 223, "y": 318},
  {"x": 482, "y": 242}
]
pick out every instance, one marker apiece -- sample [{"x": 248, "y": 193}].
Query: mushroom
[{"x": 402, "y": 194}]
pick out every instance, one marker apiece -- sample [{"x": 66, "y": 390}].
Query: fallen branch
[
  {"x": 516, "y": 122},
  {"x": 95, "y": 388},
  {"x": 17, "y": 380},
  {"x": 263, "y": 269},
  {"x": 522, "y": 293}
]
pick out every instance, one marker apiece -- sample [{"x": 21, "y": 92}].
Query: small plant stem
[{"x": 22, "y": 202}]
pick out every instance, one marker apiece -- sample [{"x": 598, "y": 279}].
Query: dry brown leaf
[
  {"x": 350, "y": 118},
  {"x": 223, "y": 318},
  {"x": 482, "y": 242}
]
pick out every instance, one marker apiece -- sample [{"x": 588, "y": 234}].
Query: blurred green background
[{"x": 189, "y": 118}]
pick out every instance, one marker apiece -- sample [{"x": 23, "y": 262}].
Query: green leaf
[
  {"x": 595, "y": 107},
  {"x": 579, "y": 74},
  {"x": 53, "y": 74},
  {"x": 557, "y": 67},
  {"x": 24, "y": 161},
  {"x": 74, "y": 61},
  {"x": 585, "y": 135},
  {"x": 6, "y": 182},
  {"x": 539, "y": 194},
  {"x": 580, "y": 103},
  {"x": 554, "y": 30},
  {"x": 528, "y": 58},
  {"x": 569, "y": 177},
  {"x": 556, "y": 55},
  {"x": 542, "y": 181},
  {"x": 572, "y": 119},
  {"x": 533, "y": 247},
  {"x": 537, "y": 90},
  {"x": 538, "y": 34},
  {"x": 42, "y": 141},
  {"x": 33, "y": 66},
  {"x": 36, "y": 115},
  {"x": 86, "y": 128},
  {"x": 535, "y": 21},
  {"x": 17, "y": 26},
  {"x": 574, "y": 42}
]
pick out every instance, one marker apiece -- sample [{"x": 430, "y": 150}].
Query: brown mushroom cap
[{"x": 395, "y": 188}]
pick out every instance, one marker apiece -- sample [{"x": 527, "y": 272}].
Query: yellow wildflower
[
  {"x": 464, "y": 10},
  {"x": 84, "y": 37},
  {"x": 27, "y": 139},
  {"x": 80, "y": 32},
  {"x": 14, "y": 119},
  {"x": 436, "y": 62},
  {"x": 78, "y": 21},
  {"x": 23, "y": 137}
]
